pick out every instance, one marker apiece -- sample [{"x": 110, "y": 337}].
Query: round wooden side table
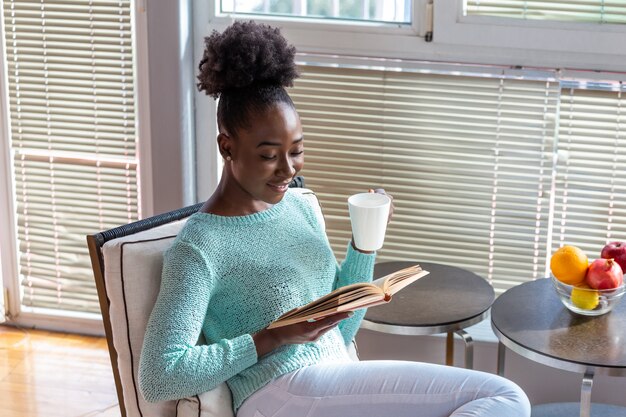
[
  {"x": 447, "y": 300},
  {"x": 530, "y": 320}
]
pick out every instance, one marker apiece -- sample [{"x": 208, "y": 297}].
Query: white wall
[
  {"x": 170, "y": 62},
  {"x": 541, "y": 383}
]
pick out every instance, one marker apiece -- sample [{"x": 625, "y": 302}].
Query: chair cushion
[{"x": 132, "y": 279}]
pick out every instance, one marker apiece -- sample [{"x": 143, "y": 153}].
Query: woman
[{"x": 254, "y": 251}]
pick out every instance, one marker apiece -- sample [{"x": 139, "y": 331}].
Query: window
[
  {"x": 590, "y": 199},
  {"x": 389, "y": 11},
  {"x": 598, "y": 11},
  {"x": 73, "y": 140},
  {"x": 498, "y": 38},
  {"x": 468, "y": 191},
  {"x": 469, "y": 158}
]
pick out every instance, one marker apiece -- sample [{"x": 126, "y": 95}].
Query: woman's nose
[{"x": 286, "y": 168}]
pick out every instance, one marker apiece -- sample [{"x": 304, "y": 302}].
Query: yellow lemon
[
  {"x": 569, "y": 265},
  {"x": 585, "y": 298}
]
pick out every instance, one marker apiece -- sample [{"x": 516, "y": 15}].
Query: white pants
[{"x": 386, "y": 388}]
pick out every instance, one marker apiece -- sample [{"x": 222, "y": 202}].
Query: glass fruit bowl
[{"x": 587, "y": 301}]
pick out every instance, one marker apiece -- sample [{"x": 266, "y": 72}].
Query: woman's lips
[{"x": 279, "y": 188}]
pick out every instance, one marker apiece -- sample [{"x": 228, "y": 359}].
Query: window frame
[
  {"x": 543, "y": 44},
  {"x": 8, "y": 239},
  {"x": 335, "y": 27},
  {"x": 457, "y": 39},
  {"x": 309, "y": 36},
  {"x": 322, "y": 36}
]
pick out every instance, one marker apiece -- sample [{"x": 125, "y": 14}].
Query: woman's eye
[{"x": 272, "y": 157}]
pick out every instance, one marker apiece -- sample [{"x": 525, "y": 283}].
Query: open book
[{"x": 353, "y": 297}]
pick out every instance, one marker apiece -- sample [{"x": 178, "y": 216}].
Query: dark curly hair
[{"x": 247, "y": 66}]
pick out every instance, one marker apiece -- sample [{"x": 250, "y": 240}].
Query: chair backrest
[{"x": 127, "y": 264}]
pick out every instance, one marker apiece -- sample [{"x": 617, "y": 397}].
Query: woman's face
[{"x": 268, "y": 155}]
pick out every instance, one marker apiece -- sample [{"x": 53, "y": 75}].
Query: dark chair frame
[{"x": 95, "y": 243}]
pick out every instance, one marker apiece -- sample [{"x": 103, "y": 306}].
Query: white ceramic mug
[{"x": 368, "y": 215}]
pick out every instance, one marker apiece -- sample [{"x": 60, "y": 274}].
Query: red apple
[
  {"x": 604, "y": 274},
  {"x": 617, "y": 251}
]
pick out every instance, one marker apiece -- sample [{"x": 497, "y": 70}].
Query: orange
[{"x": 569, "y": 265}]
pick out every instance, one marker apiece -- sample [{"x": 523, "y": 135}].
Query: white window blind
[
  {"x": 467, "y": 159},
  {"x": 590, "y": 202},
  {"x": 72, "y": 115},
  {"x": 598, "y": 11}
]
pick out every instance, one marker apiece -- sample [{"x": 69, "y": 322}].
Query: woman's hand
[
  {"x": 269, "y": 339},
  {"x": 382, "y": 191}
]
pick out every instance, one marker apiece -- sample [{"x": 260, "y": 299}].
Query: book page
[
  {"x": 333, "y": 298},
  {"x": 399, "y": 276},
  {"x": 364, "y": 302},
  {"x": 313, "y": 308},
  {"x": 393, "y": 286}
]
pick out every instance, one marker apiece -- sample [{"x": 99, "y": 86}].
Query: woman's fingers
[
  {"x": 382, "y": 191},
  {"x": 332, "y": 319},
  {"x": 309, "y": 331},
  {"x": 326, "y": 323}
]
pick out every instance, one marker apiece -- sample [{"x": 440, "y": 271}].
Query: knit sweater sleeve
[
  {"x": 171, "y": 365},
  {"x": 356, "y": 267}
]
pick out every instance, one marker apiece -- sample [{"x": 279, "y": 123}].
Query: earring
[{"x": 228, "y": 158}]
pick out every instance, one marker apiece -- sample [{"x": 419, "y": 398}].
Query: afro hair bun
[{"x": 246, "y": 54}]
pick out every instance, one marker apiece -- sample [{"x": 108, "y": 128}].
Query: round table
[
  {"x": 530, "y": 320},
  {"x": 447, "y": 300}
]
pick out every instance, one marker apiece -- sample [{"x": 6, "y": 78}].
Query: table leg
[
  {"x": 585, "y": 394},
  {"x": 450, "y": 349},
  {"x": 501, "y": 352},
  {"x": 469, "y": 348}
]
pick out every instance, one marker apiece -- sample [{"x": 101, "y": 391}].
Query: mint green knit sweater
[{"x": 228, "y": 278}]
